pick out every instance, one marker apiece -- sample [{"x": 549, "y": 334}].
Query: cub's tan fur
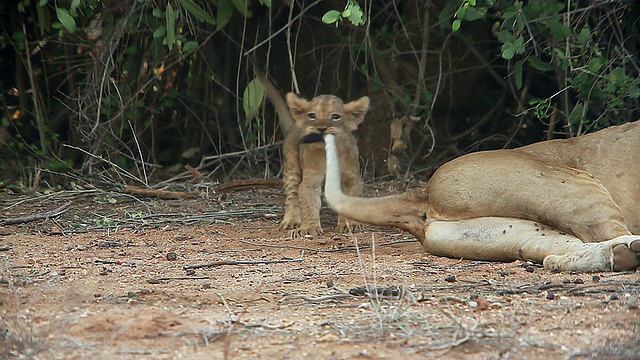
[
  {"x": 570, "y": 204},
  {"x": 304, "y": 164}
]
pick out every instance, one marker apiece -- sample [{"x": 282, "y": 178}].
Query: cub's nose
[{"x": 322, "y": 130}]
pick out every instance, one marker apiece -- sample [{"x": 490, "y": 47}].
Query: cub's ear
[
  {"x": 297, "y": 105},
  {"x": 356, "y": 110}
]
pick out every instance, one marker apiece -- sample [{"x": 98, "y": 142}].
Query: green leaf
[
  {"x": 252, "y": 98},
  {"x": 539, "y": 64},
  {"x": 517, "y": 73},
  {"x": 584, "y": 37},
  {"x": 618, "y": 76},
  {"x": 576, "y": 114},
  {"x": 242, "y": 7},
  {"x": 74, "y": 7},
  {"x": 18, "y": 36},
  {"x": 506, "y": 36},
  {"x": 356, "y": 16},
  {"x": 171, "y": 26},
  {"x": 157, "y": 13},
  {"x": 43, "y": 2},
  {"x": 266, "y": 3},
  {"x": 160, "y": 32},
  {"x": 190, "y": 46},
  {"x": 66, "y": 20},
  {"x": 455, "y": 26},
  {"x": 473, "y": 14},
  {"x": 507, "y": 52},
  {"x": 225, "y": 11},
  {"x": 131, "y": 50},
  {"x": 558, "y": 30},
  {"x": 595, "y": 65},
  {"x": 198, "y": 12},
  {"x": 634, "y": 91},
  {"x": 331, "y": 17},
  {"x": 508, "y": 14}
]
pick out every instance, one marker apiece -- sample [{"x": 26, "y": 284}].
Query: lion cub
[{"x": 304, "y": 163}]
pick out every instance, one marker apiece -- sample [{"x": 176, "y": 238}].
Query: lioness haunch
[{"x": 569, "y": 204}]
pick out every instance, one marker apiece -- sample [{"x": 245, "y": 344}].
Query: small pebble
[
  {"x": 450, "y": 278},
  {"x": 172, "y": 256},
  {"x": 578, "y": 281},
  {"x": 550, "y": 295},
  {"x": 131, "y": 294},
  {"x": 530, "y": 269},
  {"x": 596, "y": 278},
  {"x": 329, "y": 283},
  {"x": 613, "y": 296}
]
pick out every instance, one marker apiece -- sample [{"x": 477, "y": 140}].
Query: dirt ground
[{"x": 122, "y": 277}]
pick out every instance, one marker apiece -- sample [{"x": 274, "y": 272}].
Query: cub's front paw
[
  {"x": 313, "y": 230},
  {"x": 626, "y": 256},
  {"x": 288, "y": 224}
]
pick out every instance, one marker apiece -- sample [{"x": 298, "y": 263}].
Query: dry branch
[
  {"x": 159, "y": 193},
  {"x": 242, "y": 262},
  {"x": 35, "y": 217},
  {"x": 249, "y": 184}
]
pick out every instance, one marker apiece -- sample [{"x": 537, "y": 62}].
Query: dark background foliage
[{"x": 128, "y": 92}]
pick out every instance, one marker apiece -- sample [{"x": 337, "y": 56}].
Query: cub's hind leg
[
  {"x": 292, "y": 179},
  {"x": 291, "y": 218}
]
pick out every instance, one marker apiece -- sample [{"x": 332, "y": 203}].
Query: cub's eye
[
  {"x": 335, "y": 117},
  {"x": 311, "y": 116}
]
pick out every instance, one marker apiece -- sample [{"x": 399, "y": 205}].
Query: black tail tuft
[{"x": 311, "y": 138}]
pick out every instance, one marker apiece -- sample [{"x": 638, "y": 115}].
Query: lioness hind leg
[
  {"x": 619, "y": 254},
  {"x": 506, "y": 239},
  {"x": 352, "y": 185},
  {"x": 626, "y": 256}
]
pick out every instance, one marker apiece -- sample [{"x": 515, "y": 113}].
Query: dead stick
[
  {"x": 35, "y": 217},
  {"x": 242, "y": 262},
  {"x": 181, "y": 278}
]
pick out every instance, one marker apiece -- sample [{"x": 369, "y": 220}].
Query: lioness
[
  {"x": 569, "y": 204},
  {"x": 304, "y": 163}
]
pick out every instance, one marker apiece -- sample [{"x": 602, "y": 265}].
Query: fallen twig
[
  {"x": 155, "y": 280},
  {"x": 343, "y": 248},
  {"x": 35, "y": 217},
  {"x": 159, "y": 193},
  {"x": 266, "y": 326},
  {"x": 249, "y": 184},
  {"x": 315, "y": 299},
  {"x": 242, "y": 262}
]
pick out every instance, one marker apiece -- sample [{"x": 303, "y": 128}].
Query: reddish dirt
[{"x": 107, "y": 280}]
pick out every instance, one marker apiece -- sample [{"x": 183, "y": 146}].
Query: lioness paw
[
  {"x": 626, "y": 256},
  {"x": 352, "y": 226},
  {"x": 303, "y": 231}
]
